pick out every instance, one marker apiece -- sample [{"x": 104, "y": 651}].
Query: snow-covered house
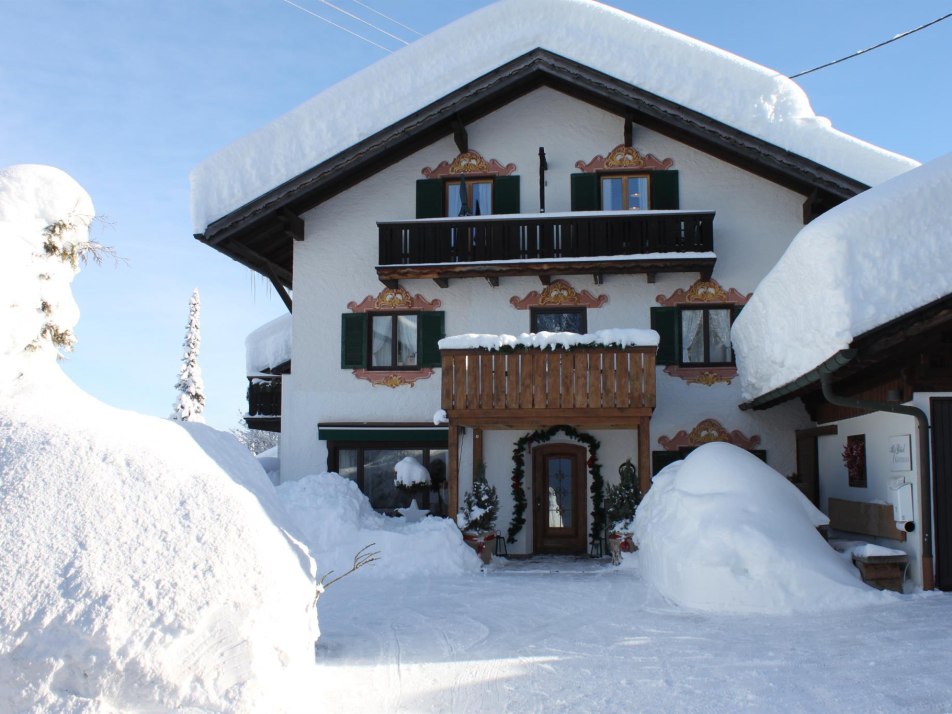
[
  {"x": 856, "y": 322},
  {"x": 501, "y": 179}
]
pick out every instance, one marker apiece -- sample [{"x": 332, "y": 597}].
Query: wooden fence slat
[
  {"x": 567, "y": 383},
  {"x": 525, "y": 376},
  {"x": 459, "y": 382},
  {"x": 553, "y": 361},
  {"x": 608, "y": 378},
  {"x": 594, "y": 378},
  {"x": 648, "y": 387},
  {"x": 538, "y": 380},
  {"x": 637, "y": 397},
  {"x": 486, "y": 380},
  {"x": 622, "y": 378},
  {"x": 581, "y": 373},
  {"x": 512, "y": 381},
  {"x": 499, "y": 381}
]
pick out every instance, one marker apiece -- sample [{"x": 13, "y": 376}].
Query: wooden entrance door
[
  {"x": 559, "y": 485},
  {"x": 942, "y": 490}
]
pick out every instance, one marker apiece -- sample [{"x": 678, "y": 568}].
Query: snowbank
[
  {"x": 336, "y": 520},
  {"x": 722, "y": 531},
  {"x": 551, "y": 340},
  {"x": 269, "y": 345},
  {"x": 868, "y": 261},
  {"x": 754, "y": 99},
  {"x": 144, "y": 563}
]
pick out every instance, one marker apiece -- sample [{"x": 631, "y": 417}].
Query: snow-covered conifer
[{"x": 191, "y": 399}]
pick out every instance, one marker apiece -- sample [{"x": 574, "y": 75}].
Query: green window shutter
[
  {"x": 664, "y": 321},
  {"x": 585, "y": 192},
  {"x": 429, "y": 198},
  {"x": 353, "y": 340},
  {"x": 664, "y": 191},
  {"x": 506, "y": 194},
  {"x": 430, "y": 330}
]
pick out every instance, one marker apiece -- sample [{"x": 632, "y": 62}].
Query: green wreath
[{"x": 519, "y": 474}]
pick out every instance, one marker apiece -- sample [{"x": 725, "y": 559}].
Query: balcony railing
[
  {"x": 545, "y": 236},
  {"x": 603, "y": 385}
]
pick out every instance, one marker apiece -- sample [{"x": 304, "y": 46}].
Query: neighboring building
[
  {"x": 867, "y": 347},
  {"x": 618, "y": 176}
]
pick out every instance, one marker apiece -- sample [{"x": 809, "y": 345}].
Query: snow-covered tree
[
  {"x": 255, "y": 440},
  {"x": 191, "y": 399}
]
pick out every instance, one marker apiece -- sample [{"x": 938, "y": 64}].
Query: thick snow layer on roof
[
  {"x": 742, "y": 94},
  {"x": 722, "y": 531},
  {"x": 336, "y": 520},
  {"x": 868, "y": 261},
  {"x": 634, "y": 337},
  {"x": 269, "y": 345}
]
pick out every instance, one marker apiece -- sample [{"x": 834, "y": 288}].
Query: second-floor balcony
[{"x": 547, "y": 244}]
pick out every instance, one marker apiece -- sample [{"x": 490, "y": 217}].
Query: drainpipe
[{"x": 925, "y": 484}]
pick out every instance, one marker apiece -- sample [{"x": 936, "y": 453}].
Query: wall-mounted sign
[{"x": 900, "y": 452}]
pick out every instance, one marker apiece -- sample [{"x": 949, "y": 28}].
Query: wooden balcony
[
  {"x": 547, "y": 244},
  {"x": 597, "y": 387}
]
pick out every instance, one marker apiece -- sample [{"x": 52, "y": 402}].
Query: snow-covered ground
[{"x": 595, "y": 638}]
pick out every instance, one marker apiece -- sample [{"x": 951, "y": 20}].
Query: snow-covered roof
[
  {"x": 634, "y": 337},
  {"x": 269, "y": 346},
  {"x": 749, "y": 97},
  {"x": 868, "y": 261}
]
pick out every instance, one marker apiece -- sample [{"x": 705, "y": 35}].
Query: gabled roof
[
  {"x": 756, "y": 117},
  {"x": 870, "y": 276}
]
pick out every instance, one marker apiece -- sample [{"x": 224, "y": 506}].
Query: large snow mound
[
  {"x": 336, "y": 520},
  {"x": 140, "y": 564},
  {"x": 757, "y": 100},
  {"x": 722, "y": 531},
  {"x": 867, "y": 261},
  {"x": 268, "y": 346},
  {"x": 144, "y": 564}
]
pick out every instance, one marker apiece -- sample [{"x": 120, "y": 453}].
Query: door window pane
[
  {"x": 636, "y": 194},
  {"x": 379, "y": 477},
  {"x": 612, "y": 194},
  {"x": 559, "y": 470},
  {"x": 572, "y": 320}
]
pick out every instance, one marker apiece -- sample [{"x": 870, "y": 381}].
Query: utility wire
[
  {"x": 360, "y": 19},
  {"x": 395, "y": 22},
  {"x": 339, "y": 27},
  {"x": 874, "y": 47}
]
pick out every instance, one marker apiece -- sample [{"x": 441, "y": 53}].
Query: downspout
[{"x": 925, "y": 484}]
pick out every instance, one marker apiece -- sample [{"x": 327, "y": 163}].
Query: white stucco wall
[
  {"x": 834, "y": 479},
  {"x": 335, "y": 263}
]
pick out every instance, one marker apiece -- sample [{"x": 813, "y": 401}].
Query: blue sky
[{"x": 127, "y": 96}]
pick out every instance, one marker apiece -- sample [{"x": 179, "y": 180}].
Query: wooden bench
[{"x": 871, "y": 519}]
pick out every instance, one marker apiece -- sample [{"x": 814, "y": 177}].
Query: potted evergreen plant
[
  {"x": 621, "y": 501},
  {"x": 477, "y": 517}
]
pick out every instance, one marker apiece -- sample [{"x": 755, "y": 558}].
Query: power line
[
  {"x": 874, "y": 47},
  {"x": 360, "y": 19},
  {"x": 386, "y": 17},
  {"x": 339, "y": 27}
]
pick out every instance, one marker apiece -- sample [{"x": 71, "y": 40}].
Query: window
[
  {"x": 479, "y": 198},
  {"x": 705, "y": 335},
  {"x": 391, "y": 340},
  {"x": 620, "y": 193},
  {"x": 370, "y": 466},
  {"x": 693, "y": 336},
  {"x": 558, "y": 319}
]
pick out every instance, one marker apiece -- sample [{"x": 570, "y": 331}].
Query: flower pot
[
  {"x": 620, "y": 542},
  {"x": 482, "y": 542}
]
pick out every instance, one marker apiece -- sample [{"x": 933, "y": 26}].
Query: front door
[{"x": 559, "y": 486}]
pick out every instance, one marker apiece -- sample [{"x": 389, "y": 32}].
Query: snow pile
[
  {"x": 270, "y": 461},
  {"x": 410, "y": 473},
  {"x": 551, "y": 340},
  {"x": 869, "y": 260},
  {"x": 269, "y": 345},
  {"x": 336, "y": 520},
  {"x": 716, "y": 83},
  {"x": 722, "y": 531},
  {"x": 140, "y": 564}
]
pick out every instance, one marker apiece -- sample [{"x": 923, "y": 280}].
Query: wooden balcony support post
[
  {"x": 644, "y": 454},
  {"x": 452, "y": 471}
]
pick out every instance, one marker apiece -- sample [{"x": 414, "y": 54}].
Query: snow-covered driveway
[{"x": 593, "y": 638}]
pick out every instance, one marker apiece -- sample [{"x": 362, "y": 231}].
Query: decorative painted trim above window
[
  {"x": 394, "y": 299},
  {"x": 706, "y": 431},
  {"x": 704, "y": 291},
  {"x": 624, "y": 158},
  {"x": 559, "y": 292},
  {"x": 393, "y": 379},
  {"x": 469, "y": 162}
]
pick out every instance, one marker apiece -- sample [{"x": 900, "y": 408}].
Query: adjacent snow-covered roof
[
  {"x": 752, "y": 98},
  {"x": 866, "y": 262},
  {"x": 269, "y": 346},
  {"x": 634, "y": 337}
]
